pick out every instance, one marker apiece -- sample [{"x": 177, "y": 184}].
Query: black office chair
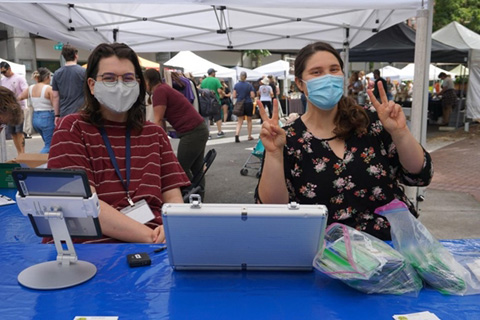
[{"x": 195, "y": 187}]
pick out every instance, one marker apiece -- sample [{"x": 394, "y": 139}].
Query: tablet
[{"x": 67, "y": 190}]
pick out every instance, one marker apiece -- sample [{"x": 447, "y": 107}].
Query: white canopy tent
[
  {"x": 408, "y": 72},
  {"x": 17, "y": 68},
  {"x": 460, "y": 70},
  {"x": 167, "y": 25},
  {"x": 387, "y": 72},
  {"x": 199, "y": 66},
  {"x": 279, "y": 69},
  {"x": 251, "y": 75},
  {"x": 456, "y": 35}
]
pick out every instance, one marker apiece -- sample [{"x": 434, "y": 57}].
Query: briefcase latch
[
  {"x": 244, "y": 214},
  {"x": 195, "y": 201},
  {"x": 293, "y": 206}
]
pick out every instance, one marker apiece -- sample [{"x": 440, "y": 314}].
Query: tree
[
  {"x": 465, "y": 12},
  {"x": 256, "y": 56}
]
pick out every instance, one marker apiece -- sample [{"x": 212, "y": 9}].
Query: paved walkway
[{"x": 457, "y": 166}]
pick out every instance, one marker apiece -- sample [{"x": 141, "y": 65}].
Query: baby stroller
[{"x": 254, "y": 160}]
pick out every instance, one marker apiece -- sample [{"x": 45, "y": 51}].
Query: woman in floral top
[{"x": 339, "y": 154}]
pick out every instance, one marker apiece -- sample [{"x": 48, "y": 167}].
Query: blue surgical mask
[{"x": 324, "y": 92}]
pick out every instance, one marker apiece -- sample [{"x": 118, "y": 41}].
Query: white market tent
[
  {"x": 199, "y": 66},
  {"x": 279, "y": 69},
  {"x": 17, "y": 68},
  {"x": 456, "y": 35},
  {"x": 387, "y": 72},
  {"x": 251, "y": 75},
  {"x": 407, "y": 72},
  {"x": 460, "y": 70},
  {"x": 176, "y": 25}
]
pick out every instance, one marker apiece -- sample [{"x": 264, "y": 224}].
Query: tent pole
[
  {"x": 419, "y": 113},
  {"x": 346, "y": 60}
]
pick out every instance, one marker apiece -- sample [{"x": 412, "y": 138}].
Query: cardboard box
[
  {"x": 32, "y": 160},
  {"x": 6, "y": 179}
]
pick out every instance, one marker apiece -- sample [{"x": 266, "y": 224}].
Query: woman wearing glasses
[{"x": 129, "y": 162}]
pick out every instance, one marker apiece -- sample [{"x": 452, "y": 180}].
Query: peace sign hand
[
  {"x": 272, "y": 135},
  {"x": 390, "y": 113}
]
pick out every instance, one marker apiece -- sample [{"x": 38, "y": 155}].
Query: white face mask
[{"x": 119, "y": 97}]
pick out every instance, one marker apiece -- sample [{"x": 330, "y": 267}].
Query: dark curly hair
[
  {"x": 11, "y": 112},
  {"x": 350, "y": 117},
  {"x": 91, "y": 110}
]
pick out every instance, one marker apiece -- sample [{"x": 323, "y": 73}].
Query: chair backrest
[{"x": 207, "y": 162}]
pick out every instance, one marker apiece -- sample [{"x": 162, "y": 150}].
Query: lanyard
[{"x": 111, "y": 154}]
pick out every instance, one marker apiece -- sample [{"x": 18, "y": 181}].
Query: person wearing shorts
[
  {"x": 17, "y": 84},
  {"x": 244, "y": 91}
]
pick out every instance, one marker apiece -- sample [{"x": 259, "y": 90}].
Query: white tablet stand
[{"x": 66, "y": 271}]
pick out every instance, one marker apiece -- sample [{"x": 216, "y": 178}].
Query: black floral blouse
[{"x": 352, "y": 188}]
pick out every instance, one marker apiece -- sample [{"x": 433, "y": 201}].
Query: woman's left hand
[{"x": 390, "y": 113}]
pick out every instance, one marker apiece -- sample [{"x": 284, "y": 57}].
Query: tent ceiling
[{"x": 155, "y": 26}]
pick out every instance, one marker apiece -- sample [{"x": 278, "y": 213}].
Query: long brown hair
[
  {"x": 10, "y": 110},
  {"x": 91, "y": 111},
  {"x": 350, "y": 116}
]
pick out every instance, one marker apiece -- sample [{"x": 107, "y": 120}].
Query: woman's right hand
[{"x": 272, "y": 135}]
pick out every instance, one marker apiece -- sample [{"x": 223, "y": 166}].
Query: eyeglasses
[
  {"x": 111, "y": 79},
  {"x": 3, "y": 71}
]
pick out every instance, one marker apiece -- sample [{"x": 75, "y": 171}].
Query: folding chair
[{"x": 195, "y": 186}]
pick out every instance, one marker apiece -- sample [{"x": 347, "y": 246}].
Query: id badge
[{"x": 140, "y": 212}]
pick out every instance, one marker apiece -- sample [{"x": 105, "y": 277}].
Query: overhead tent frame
[{"x": 154, "y": 26}]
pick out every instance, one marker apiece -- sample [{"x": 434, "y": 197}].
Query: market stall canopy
[
  {"x": 176, "y": 25},
  {"x": 199, "y": 66},
  {"x": 408, "y": 71},
  {"x": 455, "y": 34},
  {"x": 251, "y": 75},
  {"x": 460, "y": 70},
  {"x": 278, "y": 69},
  {"x": 397, "y": 44},
  {"x": 17, "y": 68},
  {"x": 387, "y": 72},
  {"x": 458, "y": 36}
]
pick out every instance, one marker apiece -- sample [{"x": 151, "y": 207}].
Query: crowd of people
[{"x": 350, "y": 156}]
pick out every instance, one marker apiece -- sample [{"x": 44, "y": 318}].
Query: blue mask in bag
[{"x": 324, "y": 92}]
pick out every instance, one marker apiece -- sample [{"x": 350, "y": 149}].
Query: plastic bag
[
  {"x": 365, "y": 262},
  {"x": 434, "y": 263}
]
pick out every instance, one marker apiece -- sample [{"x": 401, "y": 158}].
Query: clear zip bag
[
  {"x": 433, "y": 262},
  {"x": 365, "y": 263}
]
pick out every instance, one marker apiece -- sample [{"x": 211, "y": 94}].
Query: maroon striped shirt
[{"x": 154, "y": 166}]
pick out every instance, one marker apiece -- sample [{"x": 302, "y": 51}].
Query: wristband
[{"x": 57, "y": 116}]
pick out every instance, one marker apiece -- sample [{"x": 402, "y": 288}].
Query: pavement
[{"x": 450, "y": 210}]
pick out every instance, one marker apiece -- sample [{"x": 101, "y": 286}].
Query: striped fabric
[{"x": 154, "y": 167}]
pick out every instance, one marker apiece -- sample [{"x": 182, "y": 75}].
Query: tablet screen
[{"x": 46, "y": 182}]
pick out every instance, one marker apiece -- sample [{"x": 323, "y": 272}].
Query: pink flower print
[
  {"x": 320, "y": 164},
  {"x": 360, "y": 193},
  {"x": 307, "y": 135},
  {"x": 380, "y": 223},
  {"x": 337, "y": 199},
  {"x": 343, "y": 214},
  {"x": 308, "y": 190},
  {"x": 307, "y": 147},
  {"x": 377, "y": 171},
  {"x": 377, "y": 194},
  {"x": 296, "y": 171},
  {"x": 339, "y": 183},
  {"x": 348, "y": 157}
]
